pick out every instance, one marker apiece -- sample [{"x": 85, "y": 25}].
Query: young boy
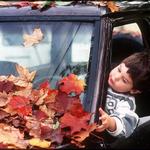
[{"x": 131, "y": 76}]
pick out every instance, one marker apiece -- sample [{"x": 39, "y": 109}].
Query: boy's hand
[{"x": 107, "y": 122}]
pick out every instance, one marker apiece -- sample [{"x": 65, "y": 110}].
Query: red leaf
[
  {"x": 77, "y": 110},
  {"x": 21, "y": 105},
  {"x": 76, "y": 118},
  {"x": 75, "y": 123},
  {"x": 71, "y": 84}
]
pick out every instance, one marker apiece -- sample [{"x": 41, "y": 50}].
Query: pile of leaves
[{"x": 41, "y": 117}]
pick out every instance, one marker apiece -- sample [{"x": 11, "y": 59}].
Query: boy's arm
[
  {"x": 124, "y": 118},
  {"x": 107, "y": 122}
]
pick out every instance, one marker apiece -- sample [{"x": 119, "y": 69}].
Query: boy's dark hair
[{"x": 139, "y": 70}]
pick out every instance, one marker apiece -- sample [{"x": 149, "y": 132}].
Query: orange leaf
[
  {"x": 71, "y": 84},
  {"x": 112, "y": 6}
]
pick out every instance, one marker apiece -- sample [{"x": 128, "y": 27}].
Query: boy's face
[{"x": 119, "y": 80}]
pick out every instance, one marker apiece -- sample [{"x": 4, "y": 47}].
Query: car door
[{"x": 142, "y": 21}]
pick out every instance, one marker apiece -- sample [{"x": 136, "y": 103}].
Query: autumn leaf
[
  {"x": 75, "y": 123},
  {"x": 76, "y": 109},
  {"x": 34, "y": 38},
  {"x": 75, "y": 118},
  {"x": 83, "y": 134},
  {"x": 24, "y": 73},
  {"x": 21, "y": 105},
  {"x": 112, "y": 6},
  {"x": 71, "y": 83},
  {"x": 42, "y": 115}
]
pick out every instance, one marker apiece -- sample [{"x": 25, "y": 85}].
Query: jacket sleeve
[{"x": 125, "y": 117}]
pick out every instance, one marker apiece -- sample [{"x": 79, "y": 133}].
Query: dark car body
[{"x": 102, "y": 21}]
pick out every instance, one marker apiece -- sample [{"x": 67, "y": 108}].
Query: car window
[{"x": 64, "y": 48}]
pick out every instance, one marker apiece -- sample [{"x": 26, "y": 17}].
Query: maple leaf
[
  {"x": 75, "y": 123},
  {"x": 76, "y": 109},
  {"x": 21, "y": 105},
  {"x": 24, "y": 73},
  {"x": 34, "y": 38},
  {"x": 71, "y": 83},
  {"x": 83, "y": 134}
]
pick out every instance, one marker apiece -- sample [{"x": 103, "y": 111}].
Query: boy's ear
[{"x": 134, "y": 91}]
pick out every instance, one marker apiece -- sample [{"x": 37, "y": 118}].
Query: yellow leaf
[{"x": 39, "y": 143}]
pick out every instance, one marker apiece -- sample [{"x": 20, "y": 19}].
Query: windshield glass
[{"x": 53, "y": 49}]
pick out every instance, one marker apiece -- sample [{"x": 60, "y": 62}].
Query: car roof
[{"x": 77, "y": 10}]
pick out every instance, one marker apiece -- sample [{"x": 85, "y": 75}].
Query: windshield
[{"x": 53, "y": 49}]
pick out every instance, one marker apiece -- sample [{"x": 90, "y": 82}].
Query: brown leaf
[
  {"x": 25, "y": 74},
  {"x": 34, "y": 38}
]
